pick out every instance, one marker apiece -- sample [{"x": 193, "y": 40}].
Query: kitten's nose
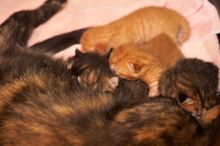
[{"x": 113, "y": 68}]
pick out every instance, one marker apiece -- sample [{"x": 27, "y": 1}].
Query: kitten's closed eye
[{"x": 135, "y": 68}]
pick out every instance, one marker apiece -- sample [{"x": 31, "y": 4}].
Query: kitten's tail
[{"x": 183, "y": 32}]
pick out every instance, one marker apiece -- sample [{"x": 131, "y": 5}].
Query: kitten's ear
[
  {"x": 134, "y": 67},
  {"x": 112, "y": 84},
  {"x": 78, "y": 53},
  {"x": 181, "y": 35}
]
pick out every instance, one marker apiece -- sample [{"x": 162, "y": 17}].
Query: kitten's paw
[
  {"x": 114, "y": 82},
  {"x": 211, "y": 114},
  {"x": 153, "y": 91}
]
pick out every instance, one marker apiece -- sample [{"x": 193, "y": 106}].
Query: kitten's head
[
  {"x": 128, "y": 61},
  {"x": 93, "y": 40},
  {"x": 193, "y": 83},
  {"x": 92, "y": 70}
]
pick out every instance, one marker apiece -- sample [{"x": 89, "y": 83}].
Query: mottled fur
[
  {"x": 42, "y": 103},
  {"x": 93, "y": 70},
  {"x": 193, "y": 83},
  {"x": 145, "y": 61},
  {"x": 137, "y": 27},
  {"x": 60, "y": 42}
]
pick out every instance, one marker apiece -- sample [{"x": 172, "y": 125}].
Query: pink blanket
[{"x": 201, "y": 14}]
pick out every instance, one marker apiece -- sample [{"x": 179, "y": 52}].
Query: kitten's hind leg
[{"x": 17, "y": 29}]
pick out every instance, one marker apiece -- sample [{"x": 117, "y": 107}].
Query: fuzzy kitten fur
[
  {"x": 193, "y": 83},
  {"x": 136, "y": 27},
  {"x": 145, "y": 61}
]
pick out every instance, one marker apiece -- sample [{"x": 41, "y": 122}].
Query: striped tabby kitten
[
  {"x": 137, "y": 27},
  {"x": 145, "y": 61},
  {"x": 193, "y": 83}
]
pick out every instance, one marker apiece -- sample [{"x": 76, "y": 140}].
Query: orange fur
[
  {"x": 145, "y": 61},
  {"x": 137, "y": 27}
]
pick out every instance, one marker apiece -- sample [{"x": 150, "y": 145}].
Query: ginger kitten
[
  {"x": 145, "y": 61},
  {"x": 137, "y": 27}
]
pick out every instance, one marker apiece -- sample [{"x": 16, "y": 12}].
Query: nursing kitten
[
  {"x": 137, "y": 27},
  {"x": 93, "y": 70},
  {"x": 193, "y": 83},
  {"x": 145, "y": 61}
]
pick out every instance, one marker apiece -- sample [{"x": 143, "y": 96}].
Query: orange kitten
[
  {"x": 145, "y": 61},
  {"x": 137, "y": 27}
]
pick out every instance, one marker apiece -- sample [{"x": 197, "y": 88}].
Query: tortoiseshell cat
[
  {"x": 42, "y": 104},
  {"x": 60, "y": 42},
  {"x": 137, "y": 27},
  {"x": 145, "y": 61},
  {"x": 193, "y": 83}
]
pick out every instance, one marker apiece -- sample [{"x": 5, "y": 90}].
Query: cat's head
[
  {"x": 193, "y": 83},
  {"x": 128, "y": 61},
  {"x": 94, "y": 41},
  {"x": 92, "y": 70}
]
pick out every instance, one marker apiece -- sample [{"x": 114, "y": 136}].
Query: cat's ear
[
  {"x": 134, "y": 67},
  {"x": 78, "y": 53}
]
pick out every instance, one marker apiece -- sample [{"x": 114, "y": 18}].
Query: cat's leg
[
  {"x": 17, "y": 29},
  {"x": 59, "y": 42}
]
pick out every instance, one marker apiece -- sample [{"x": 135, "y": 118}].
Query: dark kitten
[
  {"x": 93, "y": 70},
  {"x": 193, "y": 83}
]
